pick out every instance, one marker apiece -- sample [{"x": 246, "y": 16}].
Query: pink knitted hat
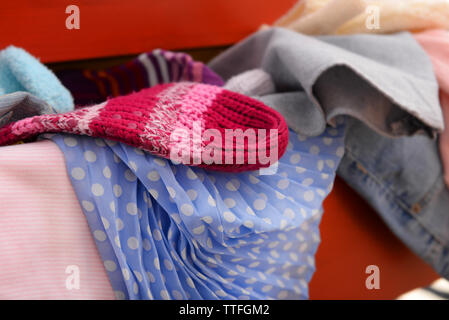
[{"x": 162, "y": 119}]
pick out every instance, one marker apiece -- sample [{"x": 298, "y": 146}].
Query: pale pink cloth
[
  {"x": 43, "y": 230},
  {"x": 436, "y": 44}
]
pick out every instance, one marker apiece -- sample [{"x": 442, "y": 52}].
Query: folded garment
[
  {"x": 436, "y": 44},
  {"x": 167, "y": 231},
  {"x": 379, "y": 16},
  {"x": 46, "y": 248},
  {"x": 175, "y": 121},
  {"x": 387, "y": 81},
  {"x": 147, "y": 70},
  {"x": 402, "y": 179},
  {"x": 19, "y": 71},
  {"x": 19, "y": 105}
]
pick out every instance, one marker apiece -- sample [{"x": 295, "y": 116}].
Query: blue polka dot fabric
[{"x": 167, "y": 231}]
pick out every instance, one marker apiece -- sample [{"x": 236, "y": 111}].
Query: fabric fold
[
  {"x": 378, "y": 79},
  {"x": 19, "y": 71},
  {"x": 170, "y": 231}
]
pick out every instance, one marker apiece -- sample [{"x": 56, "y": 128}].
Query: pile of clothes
[{"x": 371, "y": 108}]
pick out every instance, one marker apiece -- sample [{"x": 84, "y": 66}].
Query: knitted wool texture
[{"x": 147, "y": 119}]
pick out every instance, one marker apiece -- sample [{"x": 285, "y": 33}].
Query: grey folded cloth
[
  {"x": 19, "y": 105},
  {"x": 387, "y": 81}
]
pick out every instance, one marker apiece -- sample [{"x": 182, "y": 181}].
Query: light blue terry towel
[{"x": 19, "y": 71}]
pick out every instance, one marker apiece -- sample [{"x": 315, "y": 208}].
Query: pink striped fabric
[{"x": 43, "y": 232}]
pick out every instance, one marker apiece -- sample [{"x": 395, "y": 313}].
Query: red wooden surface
[
  {"x": 353, "y": 237},
  {"x": 119, "y": 27}
]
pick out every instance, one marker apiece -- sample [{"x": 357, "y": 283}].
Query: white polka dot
[
  {"x": 130, "y": 176},
  {"x": 119, "y": 295},
  {"x": 135, "y": 288},
  {"x": 229, "y": 216},
  {"x": 207, "y": 219},
  {"x": 314, "y": 150},
  {"x": 199, "y": 230},
  {"x": 283, "y": 224},
  {"x": 333, "y": 132},
  {"x": 191, "y": 175},
  {"x": 192, "y": 194},
  {"x": 250, "y": 211},
  {"x": 253, "y": 179},
  {"x": 159, "y": 162},
  {"x": 133, "y": 243},
  {"x": 100, "y": 142},
  {"x": 267, "y": 288},
  {"x": 153, "y": 175},
  {"x": 105, "y": 223},
  {"x": 309, "y": 195},
  {"x": 117, "y": 190},
  {"x": 107, "y": 172},
  {"x": 190, "y": 282},
  {"x": 259, "y": 204},
  {"x": 248, "y": 224},
  {"x": 187, "y": 209},
  {"x": 295, "y": 158},
  {"x": 289, "y": 213},
  {"x": 126, "y": 274},
  {"x": 119, "y": 224},
  {"x": 283, "y": 184},
  {"x": 97, "y": 189},
  {"x": 176, "y": 218},
  {"x": 154, "y": 193},
  {"x": 177, "y": 295},
  {"x": 307, "y": 182},
  {"x": 300, "y": 170},
  {"x": 157, "y": 235},
  {"x": 233, "y": 185},
  {"x": 88, "y": 206},
  {"x": 211, "y": 201},
  {"x": 110, "y": 143},
  {"x": 327, "y": 141},
  {"x": 330, "y": 163},
  {"x": 340, "y": 152},
  {"x": 112, "y": 206},
  {"x": 132, "y": 165},
  {"x": 146, "y": 245},
  {"x": 165, "y": 295},
  {"x": 70, "y": 142},
  {"x": 320, "y": 165},
  {"x": 78, "y": 173},
  {"x": 283, "y": 294},
  {"x": 157, "y": 264},
  {"x": 90, "y": 156},
  {"x": 99, "y": 235},
  {"x": 131, "y": 208},
  {"x": 110, "y": 265},
  {"x": 229, "y": 202},
  {"x": 168, "y": 265},
  {"x": 117, "y": 241},
  {"x": 138, "y": 151}
]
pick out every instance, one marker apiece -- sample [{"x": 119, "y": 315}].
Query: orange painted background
[{"x": 119, "y": 27}]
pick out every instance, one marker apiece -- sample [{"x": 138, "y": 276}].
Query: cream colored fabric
[{"x": 346, "y": 17}]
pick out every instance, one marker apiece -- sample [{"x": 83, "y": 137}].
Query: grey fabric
[
  {"x": 387, "y": 81},
  {"x": 20, "y": 104},
  {"x": 254, "y": 82}
]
